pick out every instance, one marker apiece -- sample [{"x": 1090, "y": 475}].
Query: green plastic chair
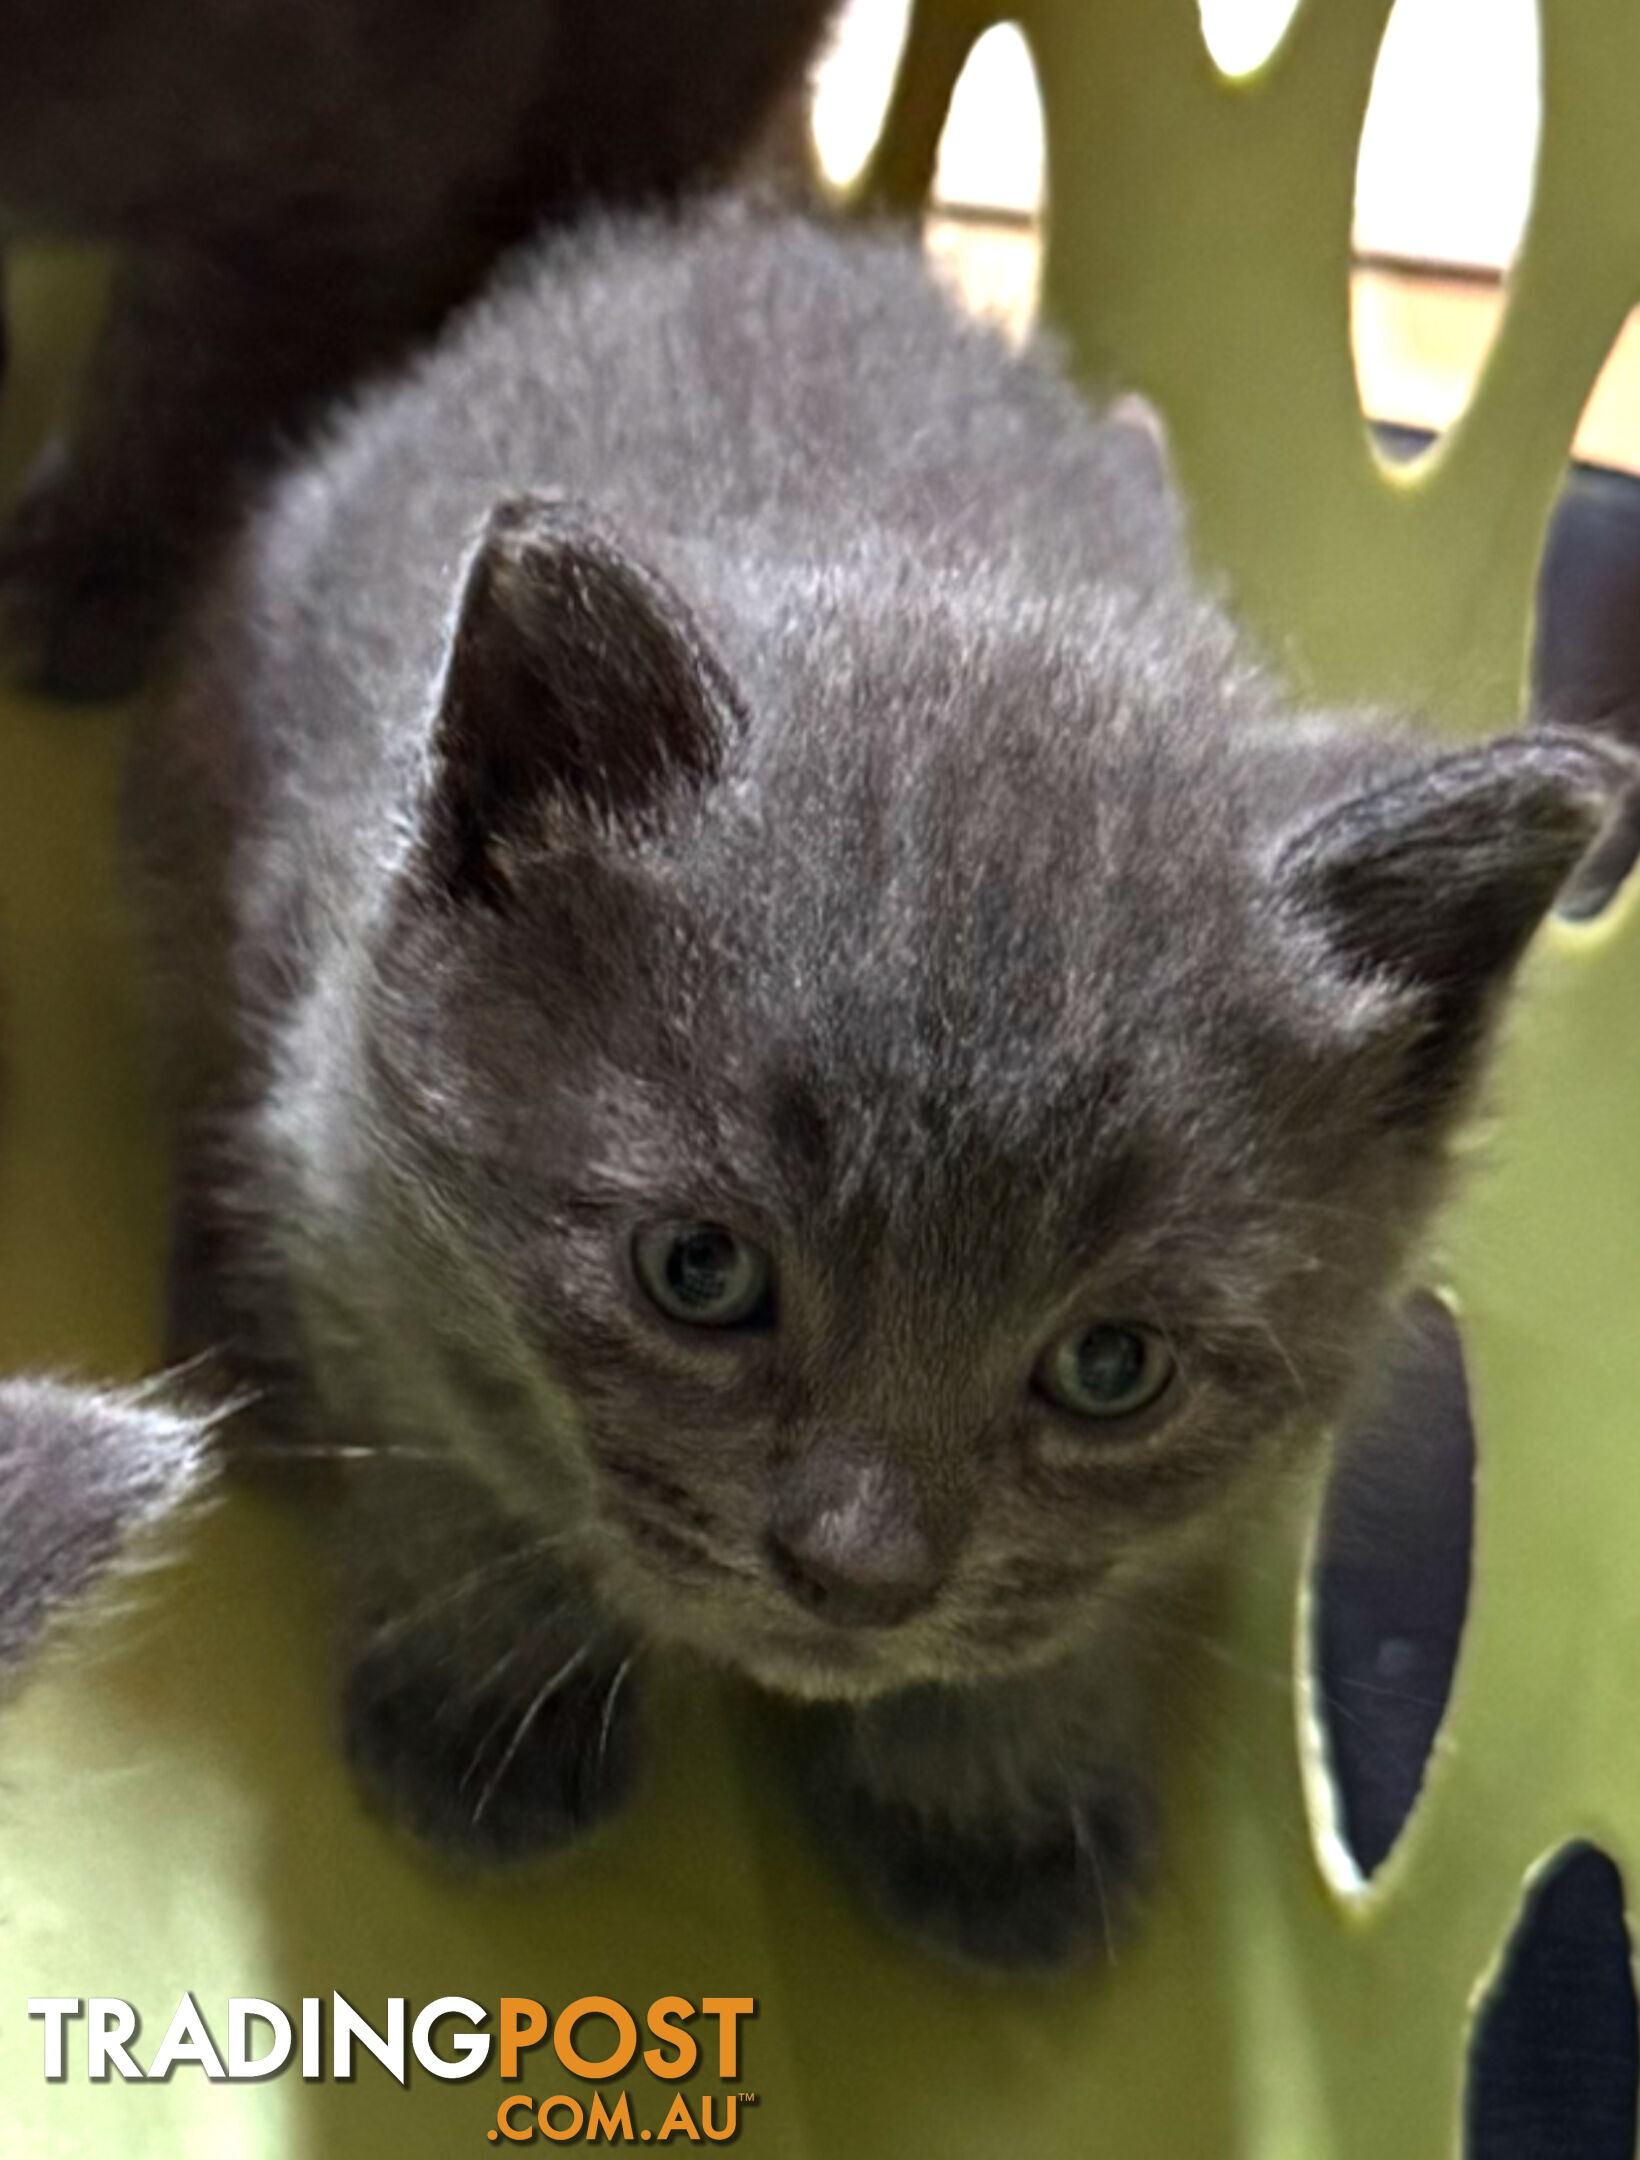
[{"x": 174, "y": 1814}]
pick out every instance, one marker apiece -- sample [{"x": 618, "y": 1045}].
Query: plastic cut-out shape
[
  {"x": 1391, "y": 1581},
  {"x": 1420, "y": 340},
  {"x": 1449, "y": 147},
  {"x": 1443, "y": 190},
  {"x": 1553, "y": 2061},
  {"x": 1243, "y": 35},
  {"x": 853, "y": 83},
  {"x": 1586, "y": 653},
  {"x": 991, "y": 154},
  {"x": 1608, "y": 430}
]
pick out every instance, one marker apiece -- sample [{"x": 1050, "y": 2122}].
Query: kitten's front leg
[
  {"x": 488, "y": 1703},
  {"x": 1011, "y": 1824}
]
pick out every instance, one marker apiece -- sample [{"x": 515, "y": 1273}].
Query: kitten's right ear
[{"x": 577, "y": 682}]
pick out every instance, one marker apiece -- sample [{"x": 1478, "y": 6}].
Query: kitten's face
[
  {"x": 988, "y": 1360},
  {"x": 938, "y": 1167}
]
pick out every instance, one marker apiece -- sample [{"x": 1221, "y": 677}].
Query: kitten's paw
[
  {"x": 82, "y": 615},
  {"x": 489, "y": 1778},
  {"x": 1015, "y": 1896}
]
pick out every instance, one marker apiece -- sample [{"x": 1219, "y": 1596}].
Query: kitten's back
[
  {"x": 744, "y": 367},
  {"x": 757, "y": 402},
  {"x": 745, "y": 395}
]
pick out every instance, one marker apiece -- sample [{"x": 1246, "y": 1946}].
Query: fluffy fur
[
  {"x": 299, "y": 189},
  {"x": 724, "y": 739},
  {"x": 84, "y": 1473}
]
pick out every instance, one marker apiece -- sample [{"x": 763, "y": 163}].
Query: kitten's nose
[{"x": 848, "y": 1543}]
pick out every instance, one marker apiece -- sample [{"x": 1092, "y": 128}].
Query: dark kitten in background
[
  {"x": 83, "y": 1474},
  {"x": 299, "y": 189},
  {"x": 776, "y": 1022}
]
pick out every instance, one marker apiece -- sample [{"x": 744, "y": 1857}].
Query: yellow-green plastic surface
[{"x": 173, "y": 1813}]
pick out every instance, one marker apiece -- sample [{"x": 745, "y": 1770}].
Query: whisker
[
  {"x": 1383, "y": 1693},
  {"x": 607, "y": 1718},
  {"x": 325, "y": 1451},
  {"x": 1087, "y": 1847},
  {"x": 175, "y": 1376},
  {"x": 1159, "y": 1626},
  {"x": 477, "y": 1689},
  {"x": 538, "y": 1703},
  {"x": 481, "y": 1745},
  {"x": 493, "y": 1570}
]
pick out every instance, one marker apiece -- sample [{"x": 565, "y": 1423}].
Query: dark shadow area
[
  {"x": 1586, "y": 660},
  {"x": 1399, "y": 445},
  {"x": 1554, "y": 2058},
  {"x": 1392, "y": 1578}
]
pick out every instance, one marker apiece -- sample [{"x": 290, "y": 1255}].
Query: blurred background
[{"x": 1443, "y": 187}]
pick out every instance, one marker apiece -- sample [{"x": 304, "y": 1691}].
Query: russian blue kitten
[
  {"x": 776, "y": 1022},
  {"x": 299, "y": 190},
  {"x": 83, "y": 1473}
]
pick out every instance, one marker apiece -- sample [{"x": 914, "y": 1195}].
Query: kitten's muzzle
[{"x": 848, "y": 1542}]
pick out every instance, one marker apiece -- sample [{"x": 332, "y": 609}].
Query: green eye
[
  {"x": 1113, "y": 1369},
  {"x": 704, "y": 1275}
]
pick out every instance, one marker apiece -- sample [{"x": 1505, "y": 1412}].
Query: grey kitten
[
  {"x": 84, "y": 1472},
  {"x": 300, "y": 189},
  {"x": 777, "y": 1022}
]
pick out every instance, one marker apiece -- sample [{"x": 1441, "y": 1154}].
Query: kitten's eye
[
  {"x": 1110, "y": 1370},
  {"x": 704, "y": 1275}
]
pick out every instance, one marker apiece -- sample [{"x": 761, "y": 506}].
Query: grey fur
[
  {"x": 300, "y": 189},
  {"x": 84, "y": 1473},
  {"x": 976, "y": 928}
]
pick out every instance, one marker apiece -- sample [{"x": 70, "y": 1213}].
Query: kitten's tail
[{"x": 85, "y": 1475}]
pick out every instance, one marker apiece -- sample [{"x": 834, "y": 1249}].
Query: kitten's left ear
[
  {"x": 577, "y": 679},
  {"x": 1431, "y": 885}
]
